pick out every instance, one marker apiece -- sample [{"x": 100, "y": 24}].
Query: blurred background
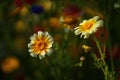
[{"x": 20, "y": 19}]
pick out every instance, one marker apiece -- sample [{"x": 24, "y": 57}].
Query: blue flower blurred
[{"x": 37, "y": 9}]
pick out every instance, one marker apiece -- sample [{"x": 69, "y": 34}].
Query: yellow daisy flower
[
  {"x": 40, "y": 44},
  {"x": 88, "y": 27}
]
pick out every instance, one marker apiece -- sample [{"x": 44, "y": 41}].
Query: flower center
[
  {"x": 87, "y": 26},
  {"x": 41, "y": 45}
]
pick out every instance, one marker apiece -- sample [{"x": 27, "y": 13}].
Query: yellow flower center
[
  {"x": 41, "y": 45},
  {"x": 88, "y": 25}
]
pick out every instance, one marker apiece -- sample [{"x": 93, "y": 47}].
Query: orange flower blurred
[
  {"x": 54, "y": 22},
  {"x": 10, "y": 64},
  {"x": 101, "y": 34},
  {"x": 70, "y": 16}
]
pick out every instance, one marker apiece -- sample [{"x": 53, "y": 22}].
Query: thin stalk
[
  {"x": 100, "y": 51},
  {"x": 104, "y": 67},
  {"x": 107, "y": 19},
  {"x": 110, "y": 51}
]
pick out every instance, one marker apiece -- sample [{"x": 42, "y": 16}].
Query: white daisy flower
[
  {"x": 88, "y": 27},
  {"x": 40, "y": 44}
]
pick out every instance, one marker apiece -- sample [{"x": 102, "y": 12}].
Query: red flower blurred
[
  {"x": 37, "y": 28},
  {"x": 101, "y": 34},
  {"x": 71, "y": 16},
  {"x": 116, "y": 52},
  {"x": 72, "y": 10},
  {"x": 19, "y": 76},
  {"x": 21, "y": 2}
]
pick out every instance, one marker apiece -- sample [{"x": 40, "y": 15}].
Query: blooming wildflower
[
  {"x": 86, "y": 48},
  {"x": 88, "y": 27},
  {"x": 40, "y": 44}
]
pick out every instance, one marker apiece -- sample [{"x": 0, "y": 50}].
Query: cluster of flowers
[{"x": 42, "y": 42}]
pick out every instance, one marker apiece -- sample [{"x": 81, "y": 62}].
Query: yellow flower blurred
[
  {"x": 10, "y": 64},
  {"x": 24, "y": 11},
  {"x": 47, "y": 5},
  {"x": 40, "y": 44},
  {"x": 88, "y": 27},
  {"x": 54, "y": 22},
  {"x": 69, "y": 21},
  {"x": 86, "y": 48},
  {"x": 20, "y": 26}
]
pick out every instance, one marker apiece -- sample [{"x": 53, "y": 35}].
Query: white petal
[
  {"x": 29, "y": 45},
  {"x": 49, "y": 46},
  {"x": 84, "y": 21},
  {"x": 96, "y": 18},
  {"x": 76, "y": 28},
  {"x": 32, "y": 41},
  {"x": 43, "y": 53},
  {"x": 46, "y": 33},
  {"x": 81, "y": 36},
  {"x": 30, "y": 50},
  {"x": 86, "y": 36},
  {"x": 77, "y": 32},
  {"x": 40, "y": 33},
  {"x": 95, "y": 26},
  {"x": 48, "y": 37},
  {"x": 40, "y": 57},
  {"x": 49, "y": 51},
  {"x": 33, "y": 55},
  {"x": 51, "y": 40},
  {"x": 33, "y": 37}
]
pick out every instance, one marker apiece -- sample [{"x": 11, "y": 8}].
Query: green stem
[
  {"x": 104, "y": 67},
  {"x": 110, "y": 51},
  {"x": 100, "y": 51},
  {"x": 107, "y": 19}
]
